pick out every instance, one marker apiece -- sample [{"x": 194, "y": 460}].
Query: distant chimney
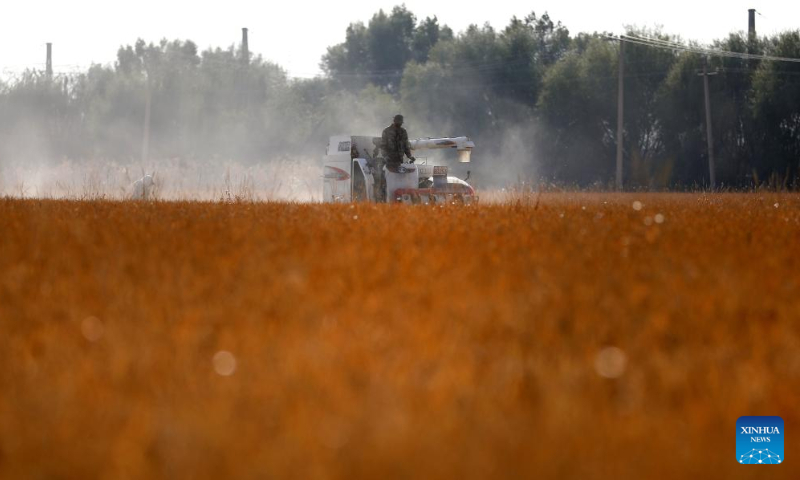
[
  {"x": 245, "y": 47},
  {"x": 49, "y": 65},
  {"x": 751, "y": 26}
]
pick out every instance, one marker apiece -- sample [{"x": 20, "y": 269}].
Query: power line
[{"x": 668, "y": 45}]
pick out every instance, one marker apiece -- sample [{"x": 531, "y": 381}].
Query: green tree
[
  {"x": 777, "y": 111},
  {"x": 349, "y": 62},
  {"x": 378, "y": 52},
  {"x": 577, "y": 107},
  {"x": 427, "y": 34}
]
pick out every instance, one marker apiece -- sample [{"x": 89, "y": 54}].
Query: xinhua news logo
[{"x": 759, "y": 440}]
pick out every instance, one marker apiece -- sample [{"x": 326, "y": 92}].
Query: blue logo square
[{"x": 759, "y": 440}]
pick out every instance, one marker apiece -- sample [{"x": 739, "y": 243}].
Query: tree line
[{"x": 539, "y": 101}]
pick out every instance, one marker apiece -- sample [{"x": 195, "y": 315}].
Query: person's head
[{"x": 398, "y": 120}]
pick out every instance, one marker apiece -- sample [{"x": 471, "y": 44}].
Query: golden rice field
[{"x": 567, "y": 336}]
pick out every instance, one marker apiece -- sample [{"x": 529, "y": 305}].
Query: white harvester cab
[{"x": 354, "y": 171}]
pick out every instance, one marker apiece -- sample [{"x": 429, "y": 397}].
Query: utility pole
[
  {"x": 709, "y": 136},
  {"x": 620, "y": 96},
  {"x": 751, "y": 24},
  {"x": 49, "y": 65},
  {"x": 146, "y": 133}
]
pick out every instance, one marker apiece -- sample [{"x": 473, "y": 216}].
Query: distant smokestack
[
  {"x": 245, "y": 47},
  {"x": 751, "y": 26},
  {"x": 48, "y": 71}
]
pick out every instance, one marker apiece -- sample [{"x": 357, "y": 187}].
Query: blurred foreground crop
[{"x": 580, "y": 336}]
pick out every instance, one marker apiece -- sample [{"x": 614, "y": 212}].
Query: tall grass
[{"x": 576, "y": 336}]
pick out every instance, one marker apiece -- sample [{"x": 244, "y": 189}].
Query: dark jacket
[{"x": 394, "y": 143}]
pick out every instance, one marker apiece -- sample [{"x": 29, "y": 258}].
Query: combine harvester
[{"x": 353, "y": 173}]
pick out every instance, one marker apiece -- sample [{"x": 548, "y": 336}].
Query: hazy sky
[{"x": 295, "y": 33}]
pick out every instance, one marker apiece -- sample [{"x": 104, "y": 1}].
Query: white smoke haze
[
  {"x": 30, "y": 167},
  {"x": 33, "y": 174},
  {"x": 219, "y": 163},
  {"x": 515, "y": 162},
  {"x": 295, "y": 180}
]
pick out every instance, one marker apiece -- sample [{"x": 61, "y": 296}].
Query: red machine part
[{"x": 457, "y": 190}]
